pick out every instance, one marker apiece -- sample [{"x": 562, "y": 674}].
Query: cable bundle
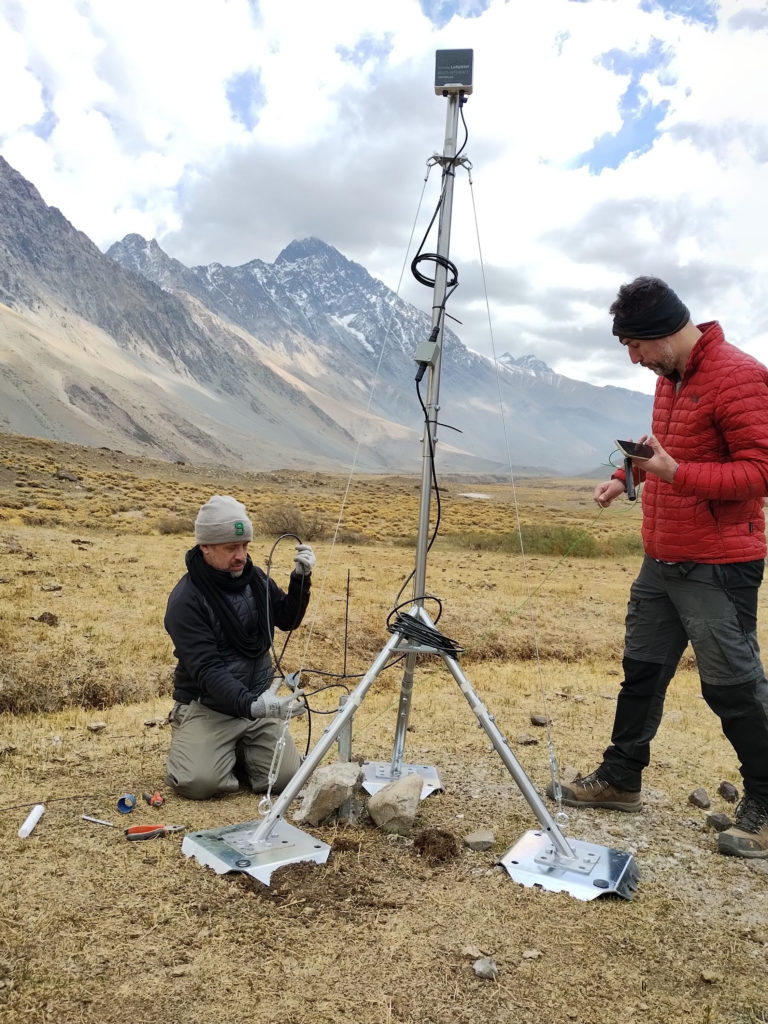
[{"x": 420, "y": 633}]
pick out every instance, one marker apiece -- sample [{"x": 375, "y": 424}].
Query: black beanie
[{"x": 666, "y": 316}]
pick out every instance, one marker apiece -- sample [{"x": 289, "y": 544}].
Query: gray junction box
[{"x": 453, "y": 71}]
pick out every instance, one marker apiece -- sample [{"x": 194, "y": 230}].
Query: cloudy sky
[{"x": 607, "y": 139}]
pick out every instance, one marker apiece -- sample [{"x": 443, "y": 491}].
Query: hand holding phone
[{"x": 633, "y": 450}]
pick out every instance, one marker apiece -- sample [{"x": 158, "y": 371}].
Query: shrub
[
  {"x": 352, "y": 537},
  {"x": 279, "y": 519},
  {"x": 175, "y": 524},
  {"x": 559, "y": 540},
  {"x": 34, "y": 519},
  {"x": 623, "y": 544},
  {"x": 546, "y": 539}
]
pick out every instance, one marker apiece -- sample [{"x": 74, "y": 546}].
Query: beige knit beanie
[{"x": 223, "y": 520}]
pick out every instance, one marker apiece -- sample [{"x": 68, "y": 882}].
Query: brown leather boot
[
  {"x": 748, "y": 836},
  {"x": 593, "y": 791}
]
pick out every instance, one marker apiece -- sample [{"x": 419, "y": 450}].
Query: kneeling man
[{"x": 221, "y": 616}]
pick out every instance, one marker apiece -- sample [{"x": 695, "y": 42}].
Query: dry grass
[{"x": 95, "y": 929}]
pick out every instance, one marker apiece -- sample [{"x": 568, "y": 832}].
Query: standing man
[
  {"x": 704, "y": 539},
  {"x": 221, "y": 617}
]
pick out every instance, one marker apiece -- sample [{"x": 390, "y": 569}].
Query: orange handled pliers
[{"x": 151, "y": 831}]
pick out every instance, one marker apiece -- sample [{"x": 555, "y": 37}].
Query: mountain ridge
[{"x": 304, "y": 361}]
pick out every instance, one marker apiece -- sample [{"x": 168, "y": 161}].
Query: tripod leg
[
  {"x": 323, "y": 744},
  {"x": 501, "y": 746},
  {"x": 403, "y": 714}
]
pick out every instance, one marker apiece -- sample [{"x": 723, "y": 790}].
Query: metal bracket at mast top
[{"x": 437, "y": 158}]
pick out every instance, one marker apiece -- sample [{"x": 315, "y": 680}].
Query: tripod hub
[{"x": 378, "y": 774}]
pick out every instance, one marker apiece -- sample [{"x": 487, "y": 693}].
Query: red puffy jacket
[{"x": 715, "y": 425}]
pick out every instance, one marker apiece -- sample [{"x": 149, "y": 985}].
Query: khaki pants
[{"x": 208, "y": 748}]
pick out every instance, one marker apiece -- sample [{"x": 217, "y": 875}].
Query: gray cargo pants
[
  {"x": 714, "y": 607},
  {"x": 210, "y": 750}
]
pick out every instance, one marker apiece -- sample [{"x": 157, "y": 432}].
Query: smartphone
[{"x": 632, "y": 450}]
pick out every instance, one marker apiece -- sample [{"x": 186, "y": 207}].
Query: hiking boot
[
  {"x": 594, "y": 791},
  {"x": 748, "y": 837}
]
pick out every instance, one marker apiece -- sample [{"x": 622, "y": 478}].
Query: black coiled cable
[{"x": 420, "y": 633}]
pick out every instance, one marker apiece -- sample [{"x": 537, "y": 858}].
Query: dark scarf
[{"x": 215, "y": 585}]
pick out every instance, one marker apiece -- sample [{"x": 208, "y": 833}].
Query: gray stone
[
  {"x": 394, "y": 807},
  {"x": 699, "y": 798},
  {"x": 540, "y": 720},
  {"x": 482, "y": 839},
  {"x": 330, "y": 786},
  {"x": 728, "y": 792},
  {"x": 719, "y": 822},
  {"x": 351, "y": 812},
  {"x": 486, "y": 968}
]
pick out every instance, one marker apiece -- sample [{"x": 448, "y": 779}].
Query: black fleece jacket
[{"x": 209, "y": 669}]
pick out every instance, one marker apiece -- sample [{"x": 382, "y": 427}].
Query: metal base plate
[
  {"x": 233, "y": 848},
  {"x": 378, "y": 774},
  {"x": 595, "y": 870}
]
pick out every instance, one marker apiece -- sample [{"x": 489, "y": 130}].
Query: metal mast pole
[
  {"x": 438, "y": 321},
  {"x": 432, "y": 405}
]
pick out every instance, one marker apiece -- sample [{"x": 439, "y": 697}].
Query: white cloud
[
  {"x": 16, "y": 81},
  {"x": 121, "y": 119}
]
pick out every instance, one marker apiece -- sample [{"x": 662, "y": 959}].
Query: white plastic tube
[{"x": 32, "y": 819}]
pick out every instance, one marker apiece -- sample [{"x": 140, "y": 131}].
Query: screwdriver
[{"x": 136, "y": 832}]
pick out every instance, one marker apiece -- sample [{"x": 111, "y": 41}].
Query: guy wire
[
  {"x": 553, "y": 765},
  {"x": 507, "y": 616},
  {"x": 318, "y": 602}
]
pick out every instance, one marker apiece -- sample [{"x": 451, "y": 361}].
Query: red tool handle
[{"x": 145, "y": 832}]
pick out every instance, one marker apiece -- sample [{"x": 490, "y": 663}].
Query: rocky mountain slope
[{"x": 305, "y": 362}]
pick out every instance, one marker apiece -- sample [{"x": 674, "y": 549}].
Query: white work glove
[
  {"x": 268, "y": 705},
  {"x": 304, "y": 561}
]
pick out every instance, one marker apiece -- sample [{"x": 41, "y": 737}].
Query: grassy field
[{"x": 97, "y": 929}]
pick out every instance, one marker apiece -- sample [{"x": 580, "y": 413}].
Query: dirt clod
[
  {"x": 435, "y": 845},
  {"x": 48, "y": 619}
]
